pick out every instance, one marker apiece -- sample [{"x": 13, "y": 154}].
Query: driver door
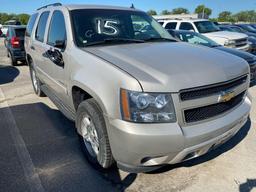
[{"x": 55, "y": 55}]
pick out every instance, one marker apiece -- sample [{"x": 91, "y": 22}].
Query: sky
[{"x": 28, "y": 6}]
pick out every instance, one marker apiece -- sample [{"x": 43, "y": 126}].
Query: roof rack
[{"x": 53, "y": 4}]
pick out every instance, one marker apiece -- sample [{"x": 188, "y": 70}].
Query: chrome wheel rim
[
  {"x": 90, "y": 135},
  {"x": 34, "y": 80}
]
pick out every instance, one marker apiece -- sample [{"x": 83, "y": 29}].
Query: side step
[{"x": 63, "y": 108}]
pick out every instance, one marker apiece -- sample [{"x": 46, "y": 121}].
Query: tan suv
[{"x": 139, "y": 98}]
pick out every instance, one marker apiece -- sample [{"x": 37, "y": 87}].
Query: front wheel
[
  {"x": 36, "y": 82},
  {"x": 94, "y": 138}
]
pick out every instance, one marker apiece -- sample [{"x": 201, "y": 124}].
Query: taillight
[{"x": 15, "y": 42}]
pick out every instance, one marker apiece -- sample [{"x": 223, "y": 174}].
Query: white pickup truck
[{"x": 210, "y": 30}]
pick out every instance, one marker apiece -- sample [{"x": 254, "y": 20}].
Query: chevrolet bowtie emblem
[{"x": 226, "y": 96}]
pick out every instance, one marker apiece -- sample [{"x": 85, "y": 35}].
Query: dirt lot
[{"x": 39, "y": 151}]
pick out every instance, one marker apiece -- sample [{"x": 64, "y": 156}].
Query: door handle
[{"x": 55, "y": 56}]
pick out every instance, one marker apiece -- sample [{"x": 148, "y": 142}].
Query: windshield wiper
[
  {"x": 215, "y": 46},
  {"x": 160, "y": 39},
  {"x": 116, "y": 40}
]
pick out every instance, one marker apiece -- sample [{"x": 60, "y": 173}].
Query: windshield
[
  {"x": 94, "y": 25},
  {"x": 206, "y": 26},
  {"x": 238, "y": 29},
  {"x": 196, "y": 38}
]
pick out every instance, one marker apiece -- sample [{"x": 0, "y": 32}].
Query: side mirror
[{"x": 61, "y": 44}]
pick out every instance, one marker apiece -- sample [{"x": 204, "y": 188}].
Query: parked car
[
  {"x": 1, "y": 33},
  {"x": 252, "y": 42},
  {"x": 139, "y": 98},
  {"x": 198, "y": 39},
  {"x": 251, "y": 36},
  {"x": 234, "y": 28},
  {"x": 247, "y": 27},
  {"x": 210, "y": 30},
  {"x": 254, "y": 26},
  {"x": 12, "y": 22},
  {"x": 14, "y": 43}
]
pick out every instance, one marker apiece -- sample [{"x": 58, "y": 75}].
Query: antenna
[{"x": 132, "y": 6}]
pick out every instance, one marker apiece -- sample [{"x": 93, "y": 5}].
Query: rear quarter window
[{"x": 31, "y": 24}]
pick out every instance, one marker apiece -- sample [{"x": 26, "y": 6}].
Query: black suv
[{"x": 14, "y": 42}]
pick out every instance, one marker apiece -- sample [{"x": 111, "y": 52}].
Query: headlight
[
  {"x": 147, "y": 107},
  {"x": 230, "y": 43}
]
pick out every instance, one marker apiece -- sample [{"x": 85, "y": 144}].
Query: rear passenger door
[
  {"x": 38, "y": 48},
  {"x": 55, "y": 47}
]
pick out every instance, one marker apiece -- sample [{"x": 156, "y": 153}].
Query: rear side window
[
  {"x": 31, "y": 24},
  {"x": 186, "y": 26},
  {"x": 40, "y": 30},
  {"x": 20, "y": 32},
  {"x": 171, "y": 25},
  {"x": 57, "y": 30}
]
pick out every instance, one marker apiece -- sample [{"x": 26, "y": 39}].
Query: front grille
[
  {"x": 241, "y": 42},
  {"x": 208, "y": 91},
  {"x": 206, "y": 112}
]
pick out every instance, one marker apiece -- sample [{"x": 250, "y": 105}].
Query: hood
[
  {"x": 244, "y": 55},
  {"x": 170, "y": 67},
  {"x": 226, "y": 35}
]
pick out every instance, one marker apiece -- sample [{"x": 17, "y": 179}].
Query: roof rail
[{"x": 53, "y": 4}]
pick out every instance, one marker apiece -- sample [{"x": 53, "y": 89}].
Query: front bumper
[
  {"x": 244, "y": 48},
  {"x": 148, "y": 146}
]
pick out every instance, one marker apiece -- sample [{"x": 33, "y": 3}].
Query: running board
[{"x": 63, "y": 108}]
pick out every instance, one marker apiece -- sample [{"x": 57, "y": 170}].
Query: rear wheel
[
  {"x": 36, "y": 82},
  {"x": 94, "y": 138},
  {"x": 11, "y": 59}
]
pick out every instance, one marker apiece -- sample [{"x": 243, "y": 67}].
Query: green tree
[
  {"x": 151, "y": 12},
  {"x": 225, "y": 16},
  {"x": 245, "y": 16},
  {"x": 202, "y": 9},
  {"x": 23, "y": 18},
  {"x": 165, "y": 12},
  {"x": 180, "y": 10}
]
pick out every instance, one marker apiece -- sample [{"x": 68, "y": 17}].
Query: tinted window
[
  {"x": 31, "y": 24},
  {"x": 40, "y": 30},
  {"x": 57, "y": 30},
  {"x": 171, "y": 25},
  {"x": 186, "y": 26},
  {"x": 20, "y": 32}
]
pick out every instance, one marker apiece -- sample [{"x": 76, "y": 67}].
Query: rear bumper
[
  {"x": 19, "y": 54},
  {"x": 138, "y": 147}
]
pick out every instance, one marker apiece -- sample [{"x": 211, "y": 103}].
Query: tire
[
  {"x": 12, "y": 60},
  {"x": 101, "y": 157},
  {"x": 36, "y": 83}
]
